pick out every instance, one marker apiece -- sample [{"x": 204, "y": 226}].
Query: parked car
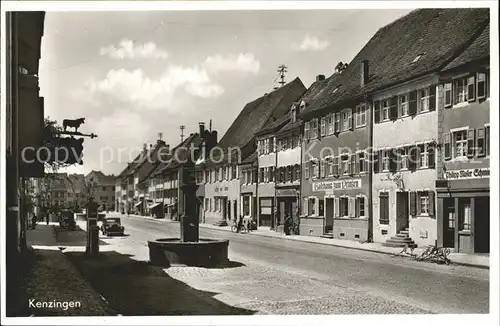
[{"x": 112, "y": 226}]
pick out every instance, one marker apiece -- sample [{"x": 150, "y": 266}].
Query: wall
[
  {"x": 289, "y": 157},
  {"x": 267, "y": 160},
  {"x": 228, "y": 188}
]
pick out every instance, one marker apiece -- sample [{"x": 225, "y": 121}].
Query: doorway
[
  {"x": 482, "y": 225},
  {"x": 402, "y": 210},
  {"x": 235, "y": 208},
  {"x": 229, "y": 209},
  {"x": 223, "y": 203},
  {"x": 449, "y": 220},
  {"x": 329, "y": 211}
]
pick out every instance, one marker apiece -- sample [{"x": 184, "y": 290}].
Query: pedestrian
[
  {"x": 47, "y": 218},
  {"x": 33, "y": 222}
]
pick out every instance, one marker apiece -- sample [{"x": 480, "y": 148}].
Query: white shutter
[
  {"x": 352, "y": 209},
  {"x": 336, "y": 206}
]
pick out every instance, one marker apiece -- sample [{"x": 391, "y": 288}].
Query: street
[{"x": 279, "y": 276}]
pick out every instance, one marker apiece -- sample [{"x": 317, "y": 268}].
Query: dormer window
[{"x": 302, "y": 106}]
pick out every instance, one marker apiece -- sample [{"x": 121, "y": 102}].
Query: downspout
[
  {"x": 276, "y": 210},
  {"x": 369, "y": 102}
]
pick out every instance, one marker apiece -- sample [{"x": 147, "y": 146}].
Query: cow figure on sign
[{"x": 73, "y": 123}]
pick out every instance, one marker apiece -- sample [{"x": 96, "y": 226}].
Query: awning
[
  {"x": 137, "y": 204},
  {"x": 153, "y": 205}
]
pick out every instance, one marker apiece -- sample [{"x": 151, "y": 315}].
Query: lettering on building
[
  {"x": 467, "y": 174},
  {"x": 328, "y": 186}
]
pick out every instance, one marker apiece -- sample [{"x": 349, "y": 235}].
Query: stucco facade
[
  {"x": 407, "y": 135},
  {"x": 222, "y": 194}
]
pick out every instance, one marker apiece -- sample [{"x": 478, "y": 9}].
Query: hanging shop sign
[
  {"x": 337, "y": 185},
  {"x": 467, "y": 174}
]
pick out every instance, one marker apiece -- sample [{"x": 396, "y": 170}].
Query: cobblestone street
[{"x": 279, "y": 276}]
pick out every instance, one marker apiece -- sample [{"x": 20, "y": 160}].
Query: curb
[{"x": 347, "y": 247}]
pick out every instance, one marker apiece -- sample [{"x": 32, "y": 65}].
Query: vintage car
[{"x": 112, "y": 226}]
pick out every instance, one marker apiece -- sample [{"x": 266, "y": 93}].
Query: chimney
[
  {"x": 320, "y": 77},
  {"x": 202, "y": 128},
  {"x": 214, "y": 137},
  {"x": 365, "y": 72}
]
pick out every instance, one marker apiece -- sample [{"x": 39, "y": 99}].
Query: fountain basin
[{"x": 205, "y": 253}]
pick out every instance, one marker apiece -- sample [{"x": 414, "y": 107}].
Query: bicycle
[
  {"x": 436, "y": 254},
  {"x": 243, "y": 229}
]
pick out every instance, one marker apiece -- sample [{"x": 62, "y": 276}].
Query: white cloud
[
  {"x": 127, "y": 49},
  {"x": 143, "y": 92},
  {"x": 242, "y": 62},
  {"x": 311, "y": 43}
]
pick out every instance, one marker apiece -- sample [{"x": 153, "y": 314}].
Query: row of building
[
  {"x": 392, "y": 148},
  {"x": 57, "y": 191}
]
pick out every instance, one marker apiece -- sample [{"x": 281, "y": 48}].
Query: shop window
[
  {"x": 466, "y": 212},
  {"x": 246, "y": 205},
  {"x": 384, "y": 208},
  {"x": 321, "y": 207},
  {"x": 312, "y": 206}
]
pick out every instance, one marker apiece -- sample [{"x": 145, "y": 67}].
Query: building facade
[
  {"x": 463, "y": 183},
  {"x": 103, "y": 189},
  {"x": 248, "y": 187},
  {"x": 404, "y": 171}
]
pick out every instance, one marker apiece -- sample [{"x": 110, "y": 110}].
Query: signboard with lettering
[
  {"x": 467, "y": 174},
  {"x": 337, "y": 185}
]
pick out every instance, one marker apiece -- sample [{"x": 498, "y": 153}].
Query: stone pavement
[
  {"x": 51, "y": 277},
  {"x": 480, "y": 261}
]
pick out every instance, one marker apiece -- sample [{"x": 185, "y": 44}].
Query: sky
[{"x": 133, "y": 75}]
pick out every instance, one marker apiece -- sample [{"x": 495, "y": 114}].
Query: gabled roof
[
  {"x": 178, "y": 153},
  {"x": 478, "y": 50},
  {"x": 437, "y": 35},
  {"x": 274, "y": 126},
  {"x": 250, "y": 159},
  {"x": 258, "y": 113},
  {"x": 132, "y": 165}
]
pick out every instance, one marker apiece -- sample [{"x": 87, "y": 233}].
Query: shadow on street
[
  {"x": 76, "y": 237},
  {"x": 137, "y": 288}
]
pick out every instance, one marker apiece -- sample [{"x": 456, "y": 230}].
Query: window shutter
[
  {"x": 471, "y": 88},
  {"x": 365, "y": 162},
  {"x": 336, "y": 166},
  {"x": 447, "y": 95},
  {"x": 353, "y": 164},
  {"x": 471, "y": 142},
  {"x": 352, "y": 210},
  {"x": 431, "y": 152},
  {"x": 393, "y": 109},
  {"x": 447, "y": 146},
  {"x": 351, "y": 120},
  {"x": 323, "y": 126},
  {"x": 412, "y": 105},
  {"x": 481, "y": 85},
  {"x": 375, "y": 159},
  {"x": 420, "y": 149},
  {"x": 432, "y": 98},
  {"x": 380, "y": 160},
  {"x": 337, "y": 122},
  {"x": 392, "y": 161},
  {"x": 480, "y": 144},
  {"x": 307, "y": 130},
  {"x": 336, "y": 206},
  {"x": 419, "y": 207},
  {"x": 376, "y": 113},
  {"x": 413, "y": 203},
  {"x": 431, "y": 204}
]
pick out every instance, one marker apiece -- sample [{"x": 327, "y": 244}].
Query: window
[
  {"x": 481, "y": 85},
  {"x": 362, "y": 164},
  {"x": 385, "y": 109},
  {"x": 471, "y": 87},
  {"x": 423, "y": 100},
  {"x": 447, "y": 95},
  {"x": 403, "y": 105},
  {"x": 460, "y": 141},
  {"x": 460, "y": 86},
  {"x": 329, "y": 125},
  {"x": 360, "y": 116},
  {"x": 207, "y": 203},
  {"x": 346, "y": 119},
  {"x": 337, "y": 122},
  {"x": 335, "y": 165},
  {"x": 306, "y": 170},
  {"x": 360, "y": 206},
  {"x": 323, "y": 126},
  {"x": 384, "y": 208},
  {"x": 234, "y": 172},
  {"x": 314, "y": 128},
  {"x": 345, "y": 164},
  {"x": 103, "y": 188},
  {"x": 293, "y": 114},
  {"x": 403, "y": 152},
  {"x": 207, "y": 176},
  {"x": 343, "y": 207},
  {"x": 424, "y": 155},
  {"x": 307, "y": 130},
  {"x": 385, "y": 160},
  {"x": 312, "y": 206},
  {"x": 465, "y": 221},
  {"x": 261, "y": 175},
  {"x": 315, "y": 167},
  {"x": 424, "y": 203},
  {"x": 217, "y": 175},
  {"x": 297, "y": 172}
]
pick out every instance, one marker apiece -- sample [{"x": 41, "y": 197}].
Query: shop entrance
[
  {"x": 329, "y": 212},
  {"x": 482, "y": 225},
  {"x": 402, "y": 209}
]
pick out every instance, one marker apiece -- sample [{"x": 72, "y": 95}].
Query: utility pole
[
  {"x": 182, "y": 132},
  {"x": 282, "y": 71}
]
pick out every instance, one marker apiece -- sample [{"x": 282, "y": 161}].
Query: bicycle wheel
[{"x": 233, "y": 228}]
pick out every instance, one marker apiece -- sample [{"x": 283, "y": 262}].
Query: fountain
[{"x": 189, "y": 249}]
